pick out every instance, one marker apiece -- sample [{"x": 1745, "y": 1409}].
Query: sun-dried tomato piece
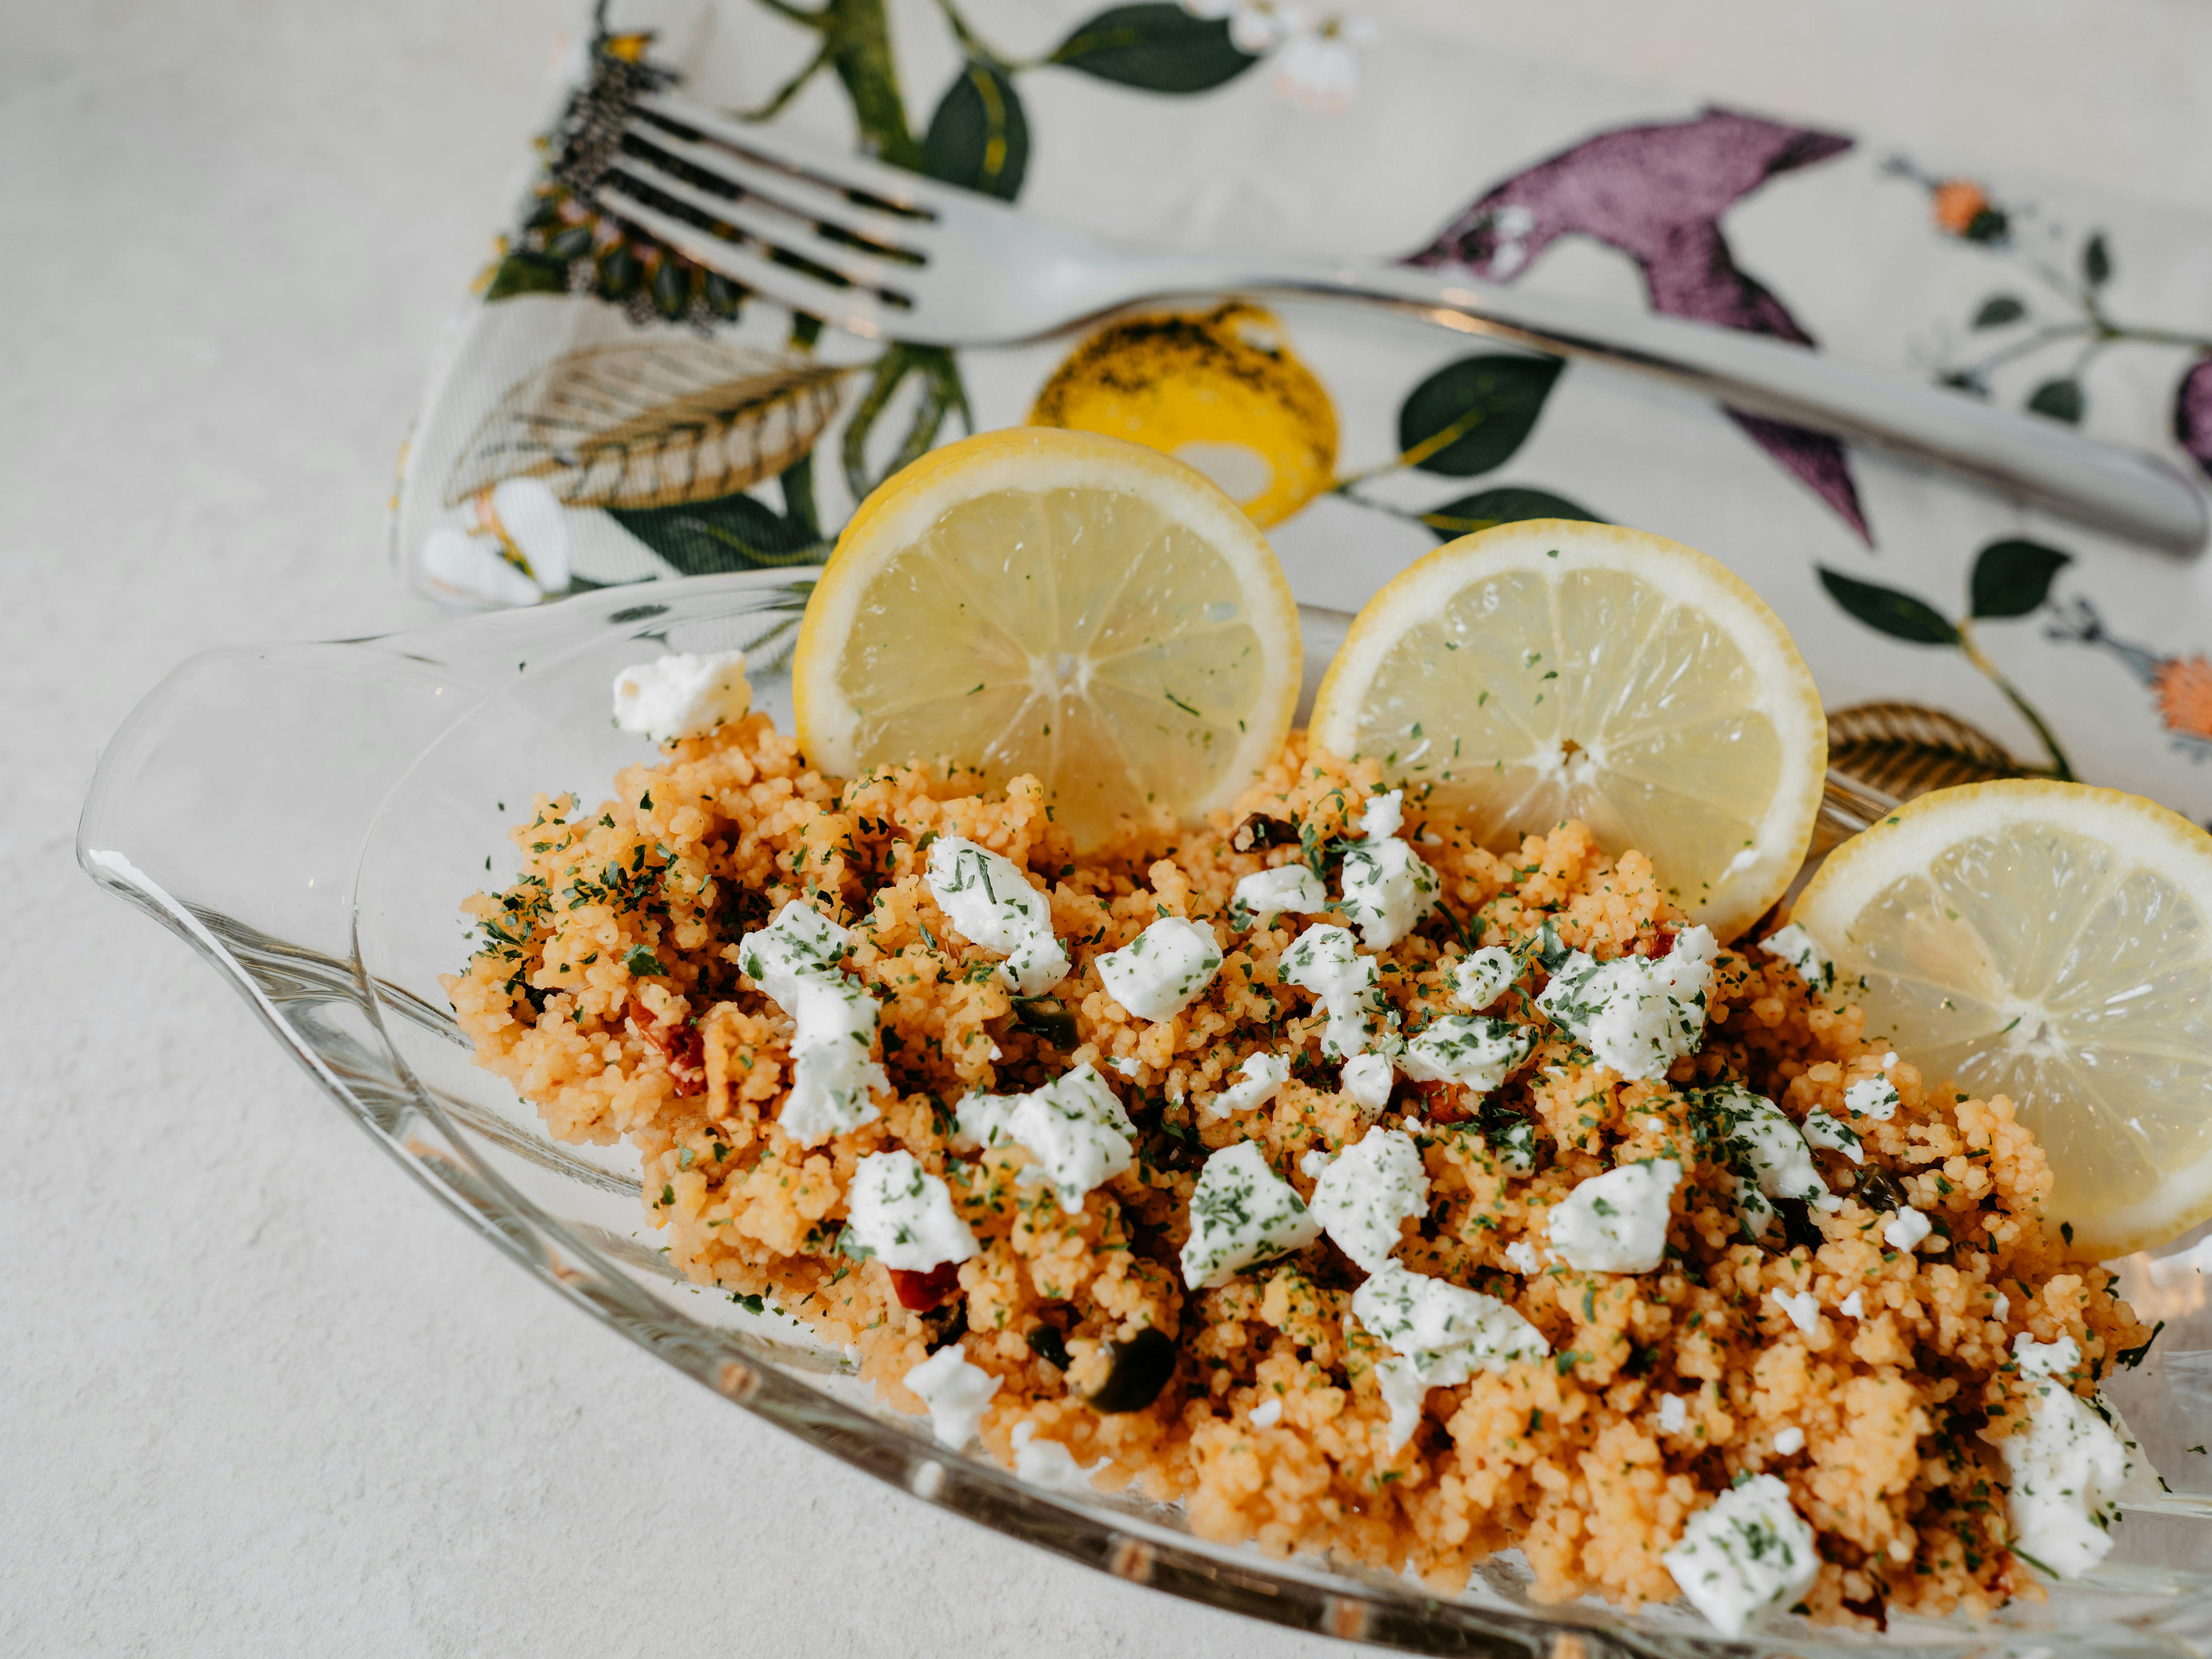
[
  {"x": 682, "y": 1048},
  {"x": 918, "y": 1293},
  {"x": 1875, "y": 1607},
  {"x": 1439, "y": 1103}
]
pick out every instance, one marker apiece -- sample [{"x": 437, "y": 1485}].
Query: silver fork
[{"x": 881, "y": 252}]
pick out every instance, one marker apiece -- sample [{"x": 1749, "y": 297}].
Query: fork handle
[{"x": 2104, "y": 485}]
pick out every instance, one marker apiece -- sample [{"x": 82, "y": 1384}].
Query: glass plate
[{"x": 310, "y": 817}]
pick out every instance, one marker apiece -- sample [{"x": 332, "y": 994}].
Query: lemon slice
[
  {"x": 2051, "y": 943},
  {"x": 1552, "y": 669},
  {"x": 1055, "y": 603}
]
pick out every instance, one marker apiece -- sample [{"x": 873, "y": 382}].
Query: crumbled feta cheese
[
  {"x": 1240, "y": 1213},
  {"x": 1790, "y": 1441},
  {"x": 1386, "y": 887},
  {"x": 902, "y": 1215},
  {"x": 1906, "y": 1229},
  {"x": 1769, "y": 1156},
  {"x": 1471, "y": 1049},
  {"x": 1368, "y": 1078},
  {"x": 1826, "y": 1129},
  {"x": 1125, "y": 1065},
  {"x": 1748, "y": 1552},
  {"x": 1874, "y": 1097},
  {"x": 683, "y": 695},
  {"x": 1262, "y": 1075},
  {"x": 1404, "y": 1392},
  {"x": 1513, "y": 1141},
  {"x": 1852, "y": 1306},
  {"x": 1673, "y": 1414},
  {"x": 1636, "y": 1015},
  {"x": 956, "y": 1393},
  {"x": 2036, "y": 1358},
  {"x": 1803, "y": 1308},
  {"x": 1365, "y": 1196},
  {"x": 1444, "y": 1333},
  {"x": 1481, "y": 979},
  {"x": 2000, "y": 1307},
  {"x": 1048, "y": 1464},
  {"x": 981, "y": 1121},
  {"x": 1159, "y": 973},
  {"x": 1889, "y": 1061},
  {"x": 1802, "y": 951},
  {"x": 1383, "y": 815},
  {"x": 795, "y": 960},
  {"x": 1267, "y": 1414},
  {"x": 1313, "y": 1163},
  {"x": 988, "y": 900},
  {"x": 2067, "y": 1465},
  {"x": 1522, "y": 1254},
  {"x": 1326, "y": 961},
  {"x": 1616, "y": 1222},
  {"x": 800, "y": 940},
  {"x": 1073, "y": 1127},
  {"x": 1267, "y": 893}
]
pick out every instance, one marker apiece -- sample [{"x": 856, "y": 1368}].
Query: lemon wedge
[
  {"x": 2051, "y": 943},
  {"x": 1553, "y": 668},
  {"x": 1056, "y": 603}
]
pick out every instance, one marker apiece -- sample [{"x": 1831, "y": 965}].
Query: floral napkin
[{"x": 611, "y": 412}]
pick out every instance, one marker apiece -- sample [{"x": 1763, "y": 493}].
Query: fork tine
[
  {"x": 776, "y": 230},
  {"x": 856, "y": 310},
  {"x": 820, "y": 164},
  {"x": 772, "y": 183}
]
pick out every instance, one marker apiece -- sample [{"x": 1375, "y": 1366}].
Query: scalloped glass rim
[{"x": 308, "y": 818}]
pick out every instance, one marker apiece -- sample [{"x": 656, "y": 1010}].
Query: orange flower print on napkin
[{"x": 2180, "y": 687}]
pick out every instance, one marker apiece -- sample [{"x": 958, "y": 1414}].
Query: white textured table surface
[{"x": 258, "y": 1394}]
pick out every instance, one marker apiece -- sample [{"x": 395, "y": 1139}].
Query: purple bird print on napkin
[
  {"x": 1657, "y": 194},
  {"x": 2192, "y": 413}
]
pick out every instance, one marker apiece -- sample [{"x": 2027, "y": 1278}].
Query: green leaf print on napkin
[
  {"x": 734, "y": 532},
  {"x": 2061, "y": 399},
  {"x": 1469, "y": 416},
  {"x": 1160, "y": 48},
  {"x": 2071, "y": 316},
  {"x": 943, "y": 395},
  {"x": 1507, "y": 504},
  {"x": 2096, "y": 261},
  {"x": 2011, "y": 578},
  {"x": 1884, "y": 608},
  {"x": 979, "y": 138},
  {"x": 525, "y": 272}
]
